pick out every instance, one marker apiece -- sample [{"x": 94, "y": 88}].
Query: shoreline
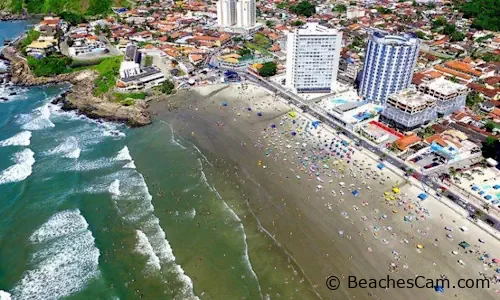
[
  {"x": 306, "y": 220},
  {"x": 79, "y": 96}
]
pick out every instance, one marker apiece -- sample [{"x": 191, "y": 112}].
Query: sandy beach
[{"x": 300, "y": 180}]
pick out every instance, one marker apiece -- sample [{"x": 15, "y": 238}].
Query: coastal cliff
[{"x": 80, "y": 96}]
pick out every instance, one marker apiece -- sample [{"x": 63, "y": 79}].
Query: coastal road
[{"x": 425, "y": 183}]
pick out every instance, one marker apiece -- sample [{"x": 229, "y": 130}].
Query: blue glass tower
[{"x": 389, "y": 64}]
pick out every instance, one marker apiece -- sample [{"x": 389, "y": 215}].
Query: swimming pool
[{"x": 338, "y": 101}]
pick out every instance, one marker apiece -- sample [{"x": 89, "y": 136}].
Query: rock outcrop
[{"x": 80, "y": 97}]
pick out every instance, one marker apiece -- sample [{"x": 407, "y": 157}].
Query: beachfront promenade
[{"x": 397, "y": 165}]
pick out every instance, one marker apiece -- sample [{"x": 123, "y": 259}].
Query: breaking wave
[
  {"x": 20, "y": 139},
  {"x": 21, "y": 170}
]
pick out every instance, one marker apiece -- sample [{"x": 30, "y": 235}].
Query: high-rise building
[
  {"x": 246, "y": 13},
  {"x": 409, "y": 109},
  {"x": 450, "y": 96},
  {"x": 226, "y": 12},
  {"x": 389, "y": 64},
  {"x": 312, "y": 59}
]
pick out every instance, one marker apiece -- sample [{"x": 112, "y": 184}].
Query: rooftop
[
  {"x": 444, "y": 86},
  {"x": 412, "y": 98}
]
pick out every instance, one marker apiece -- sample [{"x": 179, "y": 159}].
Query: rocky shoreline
[
  {"x": 5, "y": 16},
  {"x": 80, "y": 96}
]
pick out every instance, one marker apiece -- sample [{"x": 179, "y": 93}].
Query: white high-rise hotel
[
  {"x": 226, "y": 12},
  {"x": 242, "y": 13},
  {"x": 312, "y": 60}
]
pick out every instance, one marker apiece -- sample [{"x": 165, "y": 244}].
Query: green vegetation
[
  {"x": 297, "y": 23},
  {"x": 427, "y": 132},
  {"x": 99, "y": 7},
  {"x": 50, "y": 65},
  {"x": 237, "y": 39},
  {"x": 438, "y": 22},
  {"x": 244, "y": 52},
  {"x": 128, "y": 99},
  {"x": 72, "y": 18},
  {"x": 383, "y": 10},
  {"x": 167, "y": 87},
  {"x": 484, "y": 38},
  {"x": 473, "y": 99},
  {"x": 491, "y": 148},
  {"x": 89, "y": 7},
  {"x": 282, "y": 5},
  {"x": 490, "y": 126},
  {"x": 484, "y": 12},
  {"x": 304, "y": 8},
  {"x": 421, "y": 35},
  {"x": 341, "y": 8},
  {"x": 269, "y": 23},
  {"x": 260, "y": 43},
  {"x": 31, "y": 35},
  {"x": 268, "y": 69},
  {"x": 457, "y": 36},
  {"x": 108, "y": 69},
  {"x": 490, "y": 57},
  {"x": 357, "y": 42}
]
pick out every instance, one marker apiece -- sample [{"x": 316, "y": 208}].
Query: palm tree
[{"x": 452, "y": 171}]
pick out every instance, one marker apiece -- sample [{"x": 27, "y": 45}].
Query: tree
[
  {"x": 244, "y": 51},
  {"x": 269, "y": 23},
  {"x": 491, "y": 148},
  {"x": 452, "y": 171},
  {"x": 457, "y": 36},
  {"x": 304, "y": 8},
  {"x": 72, "y": 18},
  {"x": 99, "y": 7},
  {"x": 490, "y": 126},
  {"x": 454, "y": 79},
  {"x": 473, "y": 99},
  {"x": 97, "y": 29},
  {"x": 438, "y": 22},
  {"x": 483, "y": 12},
  {"x": 167, "y": 87},
  {"x": 421, "y": 35},
  {"x": 449, "y": 29},
  {"x": 297, "y": 23},
  {"x": 341, "y": 8},
  {"x": 268, "y": 69}
]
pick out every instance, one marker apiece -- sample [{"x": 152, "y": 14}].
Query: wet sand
[{"x": 327, "y": 233}]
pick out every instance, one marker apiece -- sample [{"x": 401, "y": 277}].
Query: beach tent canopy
[
  {"x": 380, "y": 166},
  {"x": 495, "y": 260},
  {"x": 422, "y": 196},
  {"x": 475, "y": 188},
  {"x": 496, "y": 186},
  {"x": 259, "y": 114},
  {"x": 464, "y": 244},
  {"x": 439, "y": 289},
  {"x": 224, "y": 103},
  {"x": 292, "y": 114},
  {"x": 488, "y": 197},
  {"x": 481, "y": 192},
  {"x": 315, "y": 124},
  {"x": 355, "y": 192},
  {"x": 395, "y": 190}
]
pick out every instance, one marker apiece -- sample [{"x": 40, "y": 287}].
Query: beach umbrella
[
  {"x": 495, "y": 260},
  {"x": 439, "y": 289},
  {"x": 395, "y": 190},
  {"x": 273, "y": 126},
  {"x": 259, "y": 114},
  {"x": 420, "y": 246},
  {"x": 387, "y": 193},
  {"x": 224, "y": 103}
]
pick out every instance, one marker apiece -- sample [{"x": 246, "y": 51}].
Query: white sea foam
[
  {"x": 69, "y": 148},
  {"x": 21, "y": 139},
  {"x": 172, "y": 136},
  {"x": 191, "y": 213},
  {"x": 89, "y": 165},
  {"x": 4, "y": 295},
  {"x": 129, "y": 165},
  {"x": 134, "y": 187},
  {"x": 39, "y": 119},
  {"x": 246, "y": 258},
  {"x": 21, "y": 170},
  {"x": 65, "y": 264},
  {"x": 114, "y": 188},
  {"x": 123, "y": 154},
  {"x": 144, "y": 247}
]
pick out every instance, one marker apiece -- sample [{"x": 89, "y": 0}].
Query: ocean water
[{"x": 94, "y": 210}]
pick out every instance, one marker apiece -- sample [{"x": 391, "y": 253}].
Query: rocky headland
[{"x": 80, "y": 97}]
